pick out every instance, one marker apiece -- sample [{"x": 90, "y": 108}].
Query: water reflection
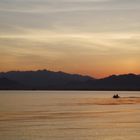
[{"x": 68, "y": 116}]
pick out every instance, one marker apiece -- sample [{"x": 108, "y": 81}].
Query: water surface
[{"x": 68, "y": 115}]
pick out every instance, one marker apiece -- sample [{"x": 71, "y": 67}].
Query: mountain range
[{"x": 49, "y": 80}]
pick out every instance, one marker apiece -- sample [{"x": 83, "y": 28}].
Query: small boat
[{"x": 116, "y": 96}]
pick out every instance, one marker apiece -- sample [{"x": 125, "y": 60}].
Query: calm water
[{"x": 52, "y": 115}]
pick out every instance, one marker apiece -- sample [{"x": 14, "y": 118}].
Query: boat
[{"x": 116, "y": 96}]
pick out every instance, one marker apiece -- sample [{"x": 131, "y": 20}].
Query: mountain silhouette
[
  {"x": 7, "y": 84},
  {"x": 44, "y": 79},
  {"x": 49, "y": 80},
  {"x": 118, "y": 82}
]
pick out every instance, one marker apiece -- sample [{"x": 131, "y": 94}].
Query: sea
[{"x": 68, "y": 115}]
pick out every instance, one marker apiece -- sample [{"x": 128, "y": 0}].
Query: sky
[{"x": 89, "y": 37}]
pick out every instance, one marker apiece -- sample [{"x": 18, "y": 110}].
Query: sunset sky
[{"x": 92, "y": 37}]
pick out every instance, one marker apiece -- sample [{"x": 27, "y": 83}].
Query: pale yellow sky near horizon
[{"x": 91, "y": 37}]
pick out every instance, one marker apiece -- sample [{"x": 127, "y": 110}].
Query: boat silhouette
[{"x": 116, "y": 96}]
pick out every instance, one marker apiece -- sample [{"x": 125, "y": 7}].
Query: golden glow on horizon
[{"x": 90, "y": 54}]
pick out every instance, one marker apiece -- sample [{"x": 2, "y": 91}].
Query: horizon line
[{"x": 69, "y": 73}]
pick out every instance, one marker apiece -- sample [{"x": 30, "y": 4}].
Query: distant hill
[
  {"x": 118, "y": 82},
  {"x": 49, "y": 80},
  {"x": 44, "y": 79},
  {"x": 7, "y": 84}
]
